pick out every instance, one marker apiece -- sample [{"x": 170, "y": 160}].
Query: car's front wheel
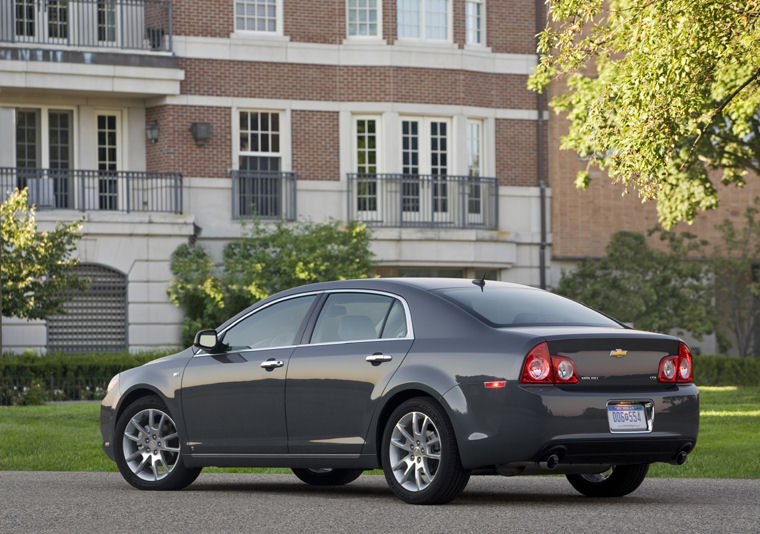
[
  {"x": 327, "y": 476},
  {"x": 618, "y": 481},
  {"x": 420, "y": 456},
  {"x": 147, "y": 447}
]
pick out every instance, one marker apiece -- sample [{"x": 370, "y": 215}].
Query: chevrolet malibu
[{"x": 431, "y": 380}]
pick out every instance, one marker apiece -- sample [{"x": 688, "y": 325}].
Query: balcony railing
[
  {"x": 264, "y": 194},
  {"x": 425, "y": 201},
  {"x": 82, "y": 190},
  {"x": 114, "y": 24}
]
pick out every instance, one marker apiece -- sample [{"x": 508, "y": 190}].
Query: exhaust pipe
[
  {"x": 550, "y": 463},
  {"x": 680, "y": 458}
]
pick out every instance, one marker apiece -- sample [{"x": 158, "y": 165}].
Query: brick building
[{"x": 160, "y": 121}]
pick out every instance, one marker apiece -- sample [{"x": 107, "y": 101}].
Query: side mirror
[{"x": 206, "y": 339}]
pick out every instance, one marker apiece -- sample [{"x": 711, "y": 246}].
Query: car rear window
[{"x": 510, "y": 306}]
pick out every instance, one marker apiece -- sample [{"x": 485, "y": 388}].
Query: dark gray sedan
[{"x": 431, "y": 380}]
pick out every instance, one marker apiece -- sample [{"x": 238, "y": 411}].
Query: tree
[
  {"x": 266, "y": 260},
  {"x": 737, "y": 274},
  {"x": 652, "y": 289},
  {"x": 35, "y": 267},
  {"x": 674, "y": 95}
]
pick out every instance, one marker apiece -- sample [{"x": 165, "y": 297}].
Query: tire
[
  {"x": 623, "y": 480},
  {"x": 419, "y": 443},
  {"x": 327, "y": 477},
  {"x": 150, "y": 460}
]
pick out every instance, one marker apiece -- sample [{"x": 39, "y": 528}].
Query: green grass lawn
[{"x": 67, "y": 438}]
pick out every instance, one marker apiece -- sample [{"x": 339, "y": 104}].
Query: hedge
[
  {"x": 33, "y": 379},
  {"x": 724, "y": 371}
]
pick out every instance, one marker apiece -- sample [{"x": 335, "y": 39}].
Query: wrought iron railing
[
  {"x": 416, "y": 200},
  {"x": 85, "y": 190},
  {"x": 263, "y": 194},
  {"x": 114, "y": 24}
]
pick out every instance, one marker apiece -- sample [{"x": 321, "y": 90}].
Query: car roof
[{"x": 427, "y": 284}]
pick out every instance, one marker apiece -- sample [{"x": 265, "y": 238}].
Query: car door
[
  {"x": 234, "y": 402},
  {"x": 358, "y": 341}
]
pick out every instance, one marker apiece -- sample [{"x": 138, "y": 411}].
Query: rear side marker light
[
  {"x": 542, "y": 368},
  {"x": 496, "y": 384},
  {"x": 677, "y": 368}
]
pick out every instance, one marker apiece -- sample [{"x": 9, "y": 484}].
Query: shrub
[{"x": 723, "y": 371}]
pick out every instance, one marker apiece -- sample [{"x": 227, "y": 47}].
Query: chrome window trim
[{"x": 409, "y": 328}]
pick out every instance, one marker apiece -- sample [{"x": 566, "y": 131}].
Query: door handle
[
  {"x": 378, "y": 358},
  {"x": 272, "y": 364}
]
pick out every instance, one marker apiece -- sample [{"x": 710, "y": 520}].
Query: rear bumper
[{"x": 528, "y": 423}]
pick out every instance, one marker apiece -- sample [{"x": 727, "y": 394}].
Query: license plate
[{"x": 626, "y": 417}]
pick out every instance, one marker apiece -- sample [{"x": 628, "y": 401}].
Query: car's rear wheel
[
  {"x": 420, "y": 456},
  {"x": 327, "y": 476},
  {"x": 618, "y": 481},
  {"x": 147, "y": 447}
]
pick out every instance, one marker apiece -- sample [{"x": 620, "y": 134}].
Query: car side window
[
  {"x": 395, "y": 324},
  {"x": 274, "y": 326},
  {"x": 352, "y": 317}
]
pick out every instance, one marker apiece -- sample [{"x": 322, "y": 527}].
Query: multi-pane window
[
  {"x": 439, "y": 164},
  {"x": 259, "y": 148},
  {"x": 60, "y": 153},
  {"x": 25, "y": 18},
  {"x": 107, "y": 20},
  {"x": 58, "y": 19},
  {"x": 410, "y": 160},
  {"x": 474, "y": 17},
  {"x": 366, "y": 164},
  {"x": 27, "y": 139},
  {"x": 474, "y": 151},
  {"x": 107, "y": 161},
  {"x": 423, "y": 19},
  {"x": 363, "y": 18},
  {"x": 256, "y": 15},
  {"x": 260, "y": 161}
]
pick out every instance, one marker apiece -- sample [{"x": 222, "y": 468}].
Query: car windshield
[{"x": 512, "y": 306}]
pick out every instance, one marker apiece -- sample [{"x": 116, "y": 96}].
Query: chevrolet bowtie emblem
[{"x": 618, "y": 353}]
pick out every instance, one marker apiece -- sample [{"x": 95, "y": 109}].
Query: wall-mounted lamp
[
  {"x": 201, "y": 132},
  {"x": 151, "y": 131}
]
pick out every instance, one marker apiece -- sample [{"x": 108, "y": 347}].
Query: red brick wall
[
  {"x": 511, "y": 26},
  {"x": 355, "y": 84},
  {"x": 176, "y": 149},
  {"x": 389, "y": 21},
  {"x": 516, "y": 152},
  {"x": 459, "y": 28},
  {"x": 316, "y": 154},
  {"x": 203, "y": 18},
  {"x": 314, "y": 21}
]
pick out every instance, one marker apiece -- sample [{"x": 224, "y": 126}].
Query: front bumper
[{"x": 527, "y": 423}]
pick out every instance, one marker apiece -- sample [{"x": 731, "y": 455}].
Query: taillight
[
  {"x": 538, "y": 366},
  {"x": 685, "y": 372},
  {"x": 542, "y": 368},
  {"x": 677, "y": 368},
  {"x": 564, "y": 370}
]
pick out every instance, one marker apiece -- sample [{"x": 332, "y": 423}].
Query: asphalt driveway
[{"x": 103, "y": 502}]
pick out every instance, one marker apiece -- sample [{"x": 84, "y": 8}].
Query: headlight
[{"x": 113, "y": 383}]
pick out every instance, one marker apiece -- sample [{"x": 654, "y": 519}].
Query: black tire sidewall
[
  {"x": 450, "y": 477},
  {"x": 623, "y": 480}
]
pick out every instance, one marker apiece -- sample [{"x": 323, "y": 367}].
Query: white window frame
[
  {"x": 378, "y": 35},
  {"x": 44, "y": 133},
  {"x": 422, "y": 38},
  {"x": 278, "y": 31},
  {"x": 424, "y": 148},
  {"x": 378, "y": 118},
  {"x": 259, "y": 153},
  {"x": 482, "y": 29},
  {"x": 285, "y": 137},
  {"x": 476, "y": 217}
]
